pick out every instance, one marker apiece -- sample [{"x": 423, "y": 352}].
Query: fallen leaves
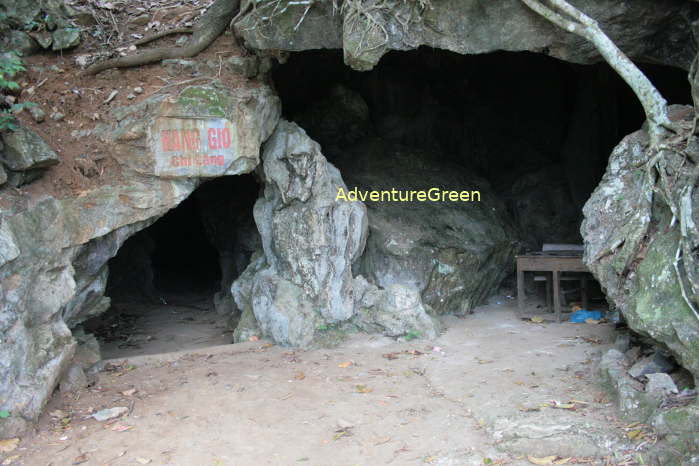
[
  {"x": 397, "y": 354},
  {"x": 345, "y": 365},
  {"x": 363, "y": 389},
  {"x": 299, "y": 376},
  {"x": 9, "y": 445},
  {"x": 343, "y": 432},
  {"x": 121, "y": 428},
  {"x": 537, "y": 320},
  {"x": 80, "y": 459}
]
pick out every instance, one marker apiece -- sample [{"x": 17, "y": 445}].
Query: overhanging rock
[{"x": 54, "y": 251}]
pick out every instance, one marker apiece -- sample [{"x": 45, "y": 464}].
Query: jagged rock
[
  {"x": 435, "y": 247},
  {"x": 53, "y": 252},
  {"x": 26, "y": 150},
  {"x": 632, "y": 401},
  {"x": 679, "y": 426},
  {"x": 396, "y": 311},
  {"x": 309, "y": 240},
  {"x": 630, "y": 248},
  {"x": 65, "y": 38},
  {"x": 660, "y": 385},
  {"x": 642, "y": 29},
  {"x": 73, "y": 380},
  {"x": 18, "y": 41},
  {"x": 244, "y": 66},
  {"x": 3, "y": 175},
  {"x": 44, "y": 38},
  {"x": 651, "y": 365}
]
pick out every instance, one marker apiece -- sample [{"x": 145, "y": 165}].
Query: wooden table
[{"x": 554, "y": 262}]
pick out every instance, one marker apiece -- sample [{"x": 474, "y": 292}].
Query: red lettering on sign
[
  {"x": 175, "y": 140},
  {"x": 225, "y": 137},
  {"x": 213, "y": 143}
]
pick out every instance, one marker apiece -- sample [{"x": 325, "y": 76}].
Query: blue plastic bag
[{"x": 582, "y": 315}]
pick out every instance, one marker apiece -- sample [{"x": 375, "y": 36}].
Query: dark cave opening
[
  {"x": 169, "y": 283},
  {"x": 537, "y": 130}
]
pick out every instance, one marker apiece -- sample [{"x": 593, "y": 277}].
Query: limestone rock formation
[
  {"x": 454, "y": 253},
  {"x": 25, "y": 150},
  {"x": 310, "y": 242},
  {"x": 54, "y": 250},
  {"x": 645, "y": 29},
  {"x": 630, "y": 247}
]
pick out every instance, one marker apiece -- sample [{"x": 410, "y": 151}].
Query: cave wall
[
  {"x": 647, "y": 30},
  {"x": 540, "y": 141},
  {"x": 55, "y": 250}
]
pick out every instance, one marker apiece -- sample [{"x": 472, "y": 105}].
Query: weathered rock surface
[
  {"x": 395, "y": 311},
  {"x": 54, "y": 251},
  {"x": 454, "y": 253},
  {"x": 26, "y": 150},
  {"x": 309, "y": 240},
  {"x": 644, "y": 29},
  {"x": 630, "y": 248},
  {"x": 28, "y": 15}
]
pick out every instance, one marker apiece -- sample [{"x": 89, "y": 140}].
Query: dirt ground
[{"x": 491, "y": 390}]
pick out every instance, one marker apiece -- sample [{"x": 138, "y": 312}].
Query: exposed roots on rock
[{"x": 212, "y": 24}]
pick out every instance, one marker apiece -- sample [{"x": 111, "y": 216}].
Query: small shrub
[{"x": 10, "y": 65}]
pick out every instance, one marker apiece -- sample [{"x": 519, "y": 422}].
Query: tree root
[
  {"x": 169, "y": 32},
  {"x": 211, "y": 25}
]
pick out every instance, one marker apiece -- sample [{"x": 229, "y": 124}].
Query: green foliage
[
  {"x": 4, "y": 414},
  {"x": 412, "y": 335},
  {"x": 10, "y": 65}
]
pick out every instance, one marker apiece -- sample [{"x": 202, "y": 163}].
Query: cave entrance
[
  {"x": 169, "y": 283},
  {"x": 534, "y": 132}
]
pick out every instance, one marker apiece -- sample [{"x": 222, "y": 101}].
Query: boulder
[
  {"x": 630, "y": 247},
  {"x": 244, "y": 66},
  {"x": 26, "y": 150},
  {"x": 19, "y": 41},
  {"x": 73, "y": 380},
  {"x": 660, "y": 385},
  {"x": 454, "y": 253},
  {"x": 396, "y": 311},
  {"x": 657, "y": 363},
  {"x": 65, "y": 38}
]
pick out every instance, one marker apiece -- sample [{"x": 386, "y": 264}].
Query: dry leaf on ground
[{"x": 9, "y": 445}]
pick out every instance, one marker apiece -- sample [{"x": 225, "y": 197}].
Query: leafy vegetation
[{"x": 10, "y": 65}]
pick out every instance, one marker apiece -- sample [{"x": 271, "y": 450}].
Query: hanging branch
[
  {"x": 575, "y": 21},
  {"x": 662, "y": 150}
]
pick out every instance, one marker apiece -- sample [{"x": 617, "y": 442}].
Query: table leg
[
  {"x": 520, "y": 292},
  {"x": 548, "y": 294},
  {"x": 557, "y": 294}
]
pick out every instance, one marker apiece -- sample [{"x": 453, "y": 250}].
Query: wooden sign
[{"x": 192, "y": 147}]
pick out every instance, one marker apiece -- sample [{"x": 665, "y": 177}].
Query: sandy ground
[
  {"x": 165, "y": 328},
  {"x": 484, "y": 391}
]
